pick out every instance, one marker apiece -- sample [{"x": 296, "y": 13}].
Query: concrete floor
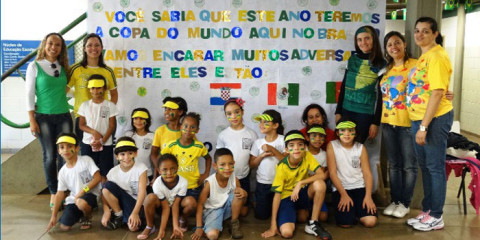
[{"x": 26, "y": 217}]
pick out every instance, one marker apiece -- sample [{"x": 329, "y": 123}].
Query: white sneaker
[
  {"x": 420, "y": 216},
  {"x": 400, "y": 211},
  {"x": 429, "y": 223},
  {"x": 390, "y": 209}
]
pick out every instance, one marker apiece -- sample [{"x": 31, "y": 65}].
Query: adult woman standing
[
  {"x": 47, "y": 80},
  {"x": 432, "y": 117},
  {"x": 359, "y": 98},
  {"x": 92, "y": 63},
  {"x": 396, "y": 131}
]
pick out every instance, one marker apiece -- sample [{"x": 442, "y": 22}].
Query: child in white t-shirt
[
  {"x": 221, "y": 198},
  {"x": 141, "y": 122},
  {"x": 125, "y": 190},
  {"x": 238, "y": 138},
  {"x": 97, "y": 121},
  {"x": 265, "y": 154},
  {"x": 80, "y": 176},
  {"x": 168, "y": 191}
]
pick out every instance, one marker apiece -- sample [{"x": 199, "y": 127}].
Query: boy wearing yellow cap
[
  {"x": 294, "y": 189},
  {"x": 80, "y": 176},
  {"x": 97, "y": 121},
  {"x": 175, "y": 109},
  {"x": 124, "y": 192}
]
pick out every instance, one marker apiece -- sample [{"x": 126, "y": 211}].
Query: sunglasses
[{"x": 56, "y": 73}]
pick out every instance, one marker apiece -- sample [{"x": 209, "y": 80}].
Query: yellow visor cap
[
  {"x": 317, "y": 130},
  {"x": 346, "y": 124},
  {"x": 265, "y": 117},
  {"x": 125, "y": 144},
  {"x": 171, "y": 105},
  {"x": 140, "y": 114},
  {"x": 96, "y": 83},
  {"x": 294, "y": 136},
  {"x": 66, "y": 139}
]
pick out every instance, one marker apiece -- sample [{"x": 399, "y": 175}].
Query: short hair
[
  {"x": 221, "y": 152},
  {"x": 320, "y": 109},
  {"x": 69, "y": 135},
  {"x": 182, "y": 104},
  {"x": 125, "y": 148},
  {"x": 294, "y": 132},
  {"x": 98, "y": 76},
  {"x": 193, "y": 115},
  {"x": 167, "y": 157}
]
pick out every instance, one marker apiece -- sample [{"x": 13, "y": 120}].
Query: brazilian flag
[{"x": 450, "y": 4}]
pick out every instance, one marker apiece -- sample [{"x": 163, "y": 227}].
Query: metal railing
[{"x": 16, "y": 67}]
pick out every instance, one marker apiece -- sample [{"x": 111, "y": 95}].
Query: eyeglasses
[{"x": 56, "y": 73}]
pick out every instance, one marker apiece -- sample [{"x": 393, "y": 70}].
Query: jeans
[
  {"x": 402, "y": 162},
  {"x": 431, "y": 159},
  {"x": 52, "y": 125},
  {"x": 363, "y": 122}
]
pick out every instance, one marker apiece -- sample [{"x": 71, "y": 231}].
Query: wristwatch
[{"x": 423, "y": 128}]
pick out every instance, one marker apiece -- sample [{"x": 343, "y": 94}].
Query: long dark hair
[
  {"x": 320, "y": 109},
  {"x": 376, "y": 57},
  {"x": 389, "y": 59},
  {"x": 276, "y": 118},
  {"x": 101, "y": 62}
]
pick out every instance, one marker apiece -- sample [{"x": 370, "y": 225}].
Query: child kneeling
[
  {"x": 80, "y": 176},
  {"x": 221, "y": 198},
  {"x": 125, "y": 189}
]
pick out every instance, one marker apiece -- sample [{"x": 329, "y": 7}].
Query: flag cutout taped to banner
[
  {"x": 333, "y": 90},
  {"x": 283, "y": 94},
  {"x": 221, "y": 92}
]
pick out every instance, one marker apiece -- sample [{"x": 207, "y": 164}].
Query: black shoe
[
  {"x": 115, "y": 222},
  {"x": 317, "y": 230}
]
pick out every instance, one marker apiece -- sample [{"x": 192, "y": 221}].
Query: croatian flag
[{"x": 221, "y": 92}]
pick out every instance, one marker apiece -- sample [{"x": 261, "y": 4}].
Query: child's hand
[
  {"x": 266, "y": 154},
  {"x": 52, "y": 223},
  {"x": 345, "y": 203},
  {"x": 177, "y": 233},
  {"x": 134, "y": 221},
  {"x": 369, "y": 204},
  {"x": 96, "y": 135},
  {"x": 161, "y": 235},
  {"x": 197, "y": 235},
  {"x": 106, "y": 217},
  {"x": 270, "y": 232},
  {"x": 267, "y": 148},
  {"x": 295, "y": 192},
  {"x": 240, "y": 193}
]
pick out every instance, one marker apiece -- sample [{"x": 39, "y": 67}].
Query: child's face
[
  {"x": 314, "y": 117},
  {"x": 139, "y": 123},
  {"x": 168, "y": 170},
  {"x": 97, "y": 92},
  {"x": 347, "y": 135},
  {"x": 296, "y": 149},
  {"x": 267, "y": 126},
  {"x": 189, "y": 127},
  {"x": 127, "y": 158},
  {"x": 234, "y": 114},
  {"x": 67, "y": 150},
  {"x": 172, "y": 114},
  {"x": 316, "y": 139},
  {"x": 225, "y": 165}
]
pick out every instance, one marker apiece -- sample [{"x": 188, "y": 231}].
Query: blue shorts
[
  {"x": 287, "y": 211},
  {"x": 263, "y": 201},
  {"x": 72, "y": 214},
  {"x": 356, "y": 212},
  {"x": 103, "y": 159},
  {"x": 194, "y": 192},
  {"x": 213, "y": 218},
  {"x": 245, "y": 185},
  {"x": 126, "y": 202}
]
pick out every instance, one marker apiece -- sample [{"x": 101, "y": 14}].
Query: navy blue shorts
[
  {"x": 287, "y": 211},
  {"x": 194, "y": 192},
  {"x": 103, "y": 159},
  {"x": 263, "y": 201},
  {"x": 355, "y": 212},
  {"x": 245, "y": 185},
  {"x": 127, "y": 202},
  {"x": 72, "y": 214}
]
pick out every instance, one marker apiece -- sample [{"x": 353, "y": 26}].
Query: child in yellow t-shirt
[{"x": 188, "y": 150}]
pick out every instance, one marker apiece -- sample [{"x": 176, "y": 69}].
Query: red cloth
[
  {"x": 330, "y": 136},
  {"x": 474, "y": 186}
]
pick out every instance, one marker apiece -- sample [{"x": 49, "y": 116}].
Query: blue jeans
[
  {"x": 52, "y": 125},
  {"x": 402, "y": 162},
  {"x": 431, "y": 159}
]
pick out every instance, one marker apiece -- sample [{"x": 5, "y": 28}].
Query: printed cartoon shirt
[
  {"x": 432, "y": 71},
  {"x": 187, "y": 157},
  {"x": 287, "y": 177},
  {"x": 394, "y": 94}
]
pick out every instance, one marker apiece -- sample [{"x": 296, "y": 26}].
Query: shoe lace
[{"x": 425, "y": 218}]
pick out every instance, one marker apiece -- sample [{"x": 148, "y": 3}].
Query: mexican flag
[
  {"x": 333, "y": 90},
  {"x": 283, "y": 94}
]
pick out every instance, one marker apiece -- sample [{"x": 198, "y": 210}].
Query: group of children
[{"x": 159, "y": 172}]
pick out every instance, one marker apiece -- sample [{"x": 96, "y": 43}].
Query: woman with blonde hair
[{"x": 49, "y": 116}]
